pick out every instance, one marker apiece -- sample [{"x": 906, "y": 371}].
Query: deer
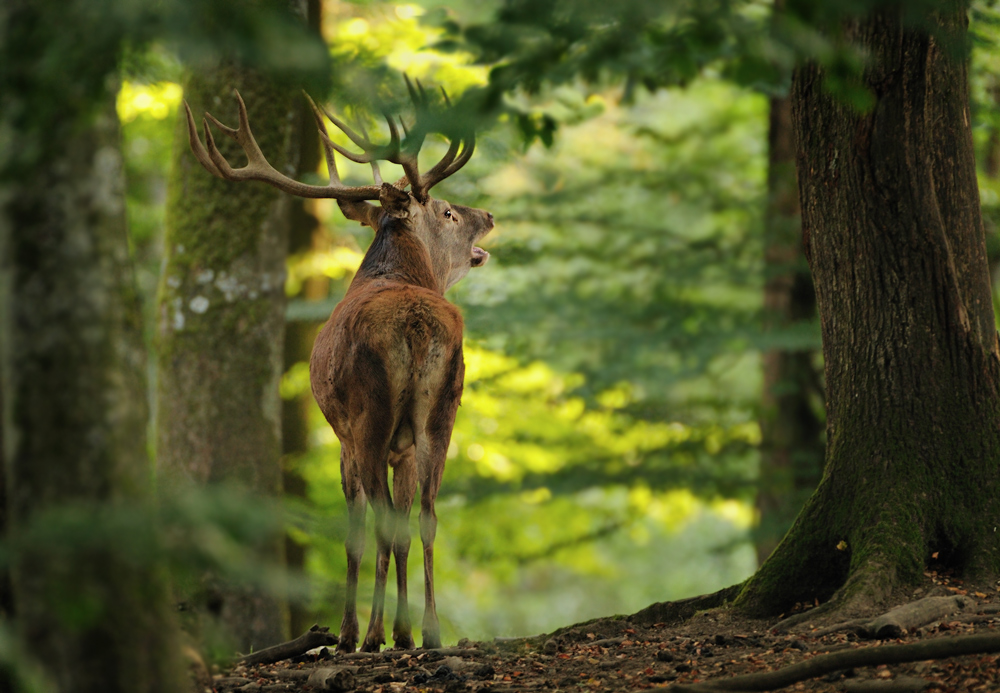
[{"x": 387, "y": 368}]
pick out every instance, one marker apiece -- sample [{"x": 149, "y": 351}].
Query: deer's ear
[
  {"x": 395, "y": 202},
  {"x": 364, "y": 213}
]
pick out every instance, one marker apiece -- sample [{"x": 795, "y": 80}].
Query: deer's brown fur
[{"x": 387, "y": 372}]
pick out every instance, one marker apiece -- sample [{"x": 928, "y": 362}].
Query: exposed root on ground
[{"x": 938, "y": 648}]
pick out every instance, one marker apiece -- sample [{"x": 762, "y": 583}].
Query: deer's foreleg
[
  {"x": 404, "y": 488},
  {"x": 356, "y": 507}
]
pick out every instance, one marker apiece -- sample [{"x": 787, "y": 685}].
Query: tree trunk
[
  {"x": 299, "y": 338},
  {"x": 791, "y": 444},
  {"x": 221, "y": 325},
  {"x": 97, "y": 616},
  {"x": 895, "y": 243}
]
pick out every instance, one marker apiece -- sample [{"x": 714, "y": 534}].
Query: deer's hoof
[
  {"x": 432, "y": 641},
  {"x": 346, "y": 646},
  {"x": 371, "y": 645},
  {"x": 403, "y": 642}
]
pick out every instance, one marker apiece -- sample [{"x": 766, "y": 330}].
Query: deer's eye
[{"x": 447, "y": 214}]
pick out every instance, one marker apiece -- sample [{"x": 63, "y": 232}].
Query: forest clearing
[{"x": 715, "y": 284}]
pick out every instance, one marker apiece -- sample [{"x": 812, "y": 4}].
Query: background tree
[
  {"x": 221, "y": 326},
  {"x": 94, "y": 614},
  {"x": 791, "y": 446}
]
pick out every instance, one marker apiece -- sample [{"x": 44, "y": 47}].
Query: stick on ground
[{"x": 313, "y": 638}]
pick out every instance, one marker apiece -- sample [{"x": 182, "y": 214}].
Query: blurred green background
[{"x": 606, "y": 452}]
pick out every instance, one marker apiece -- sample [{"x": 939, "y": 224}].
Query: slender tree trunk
[
  {"x": 895, "y": 242},
  {"x": 791, "y": 442},
  {"x": 299, "y": 337},
  {"x": 97, "y": 616},
  {"x": 221, "y": 325}
]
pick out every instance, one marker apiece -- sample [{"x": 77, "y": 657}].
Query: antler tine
[
  {"x": 441, "y": 166},
  {"x": 424, "y": 101},
  {"x": 376, "y": 173},
  {"x": 200, "y": 153},
  {"x": 393, "y": 135},
  {"x": 331, "y": 160},
  {"x": 413, "y": 92},
  {"x": 258, "y": 168},
  {"x": 449, "y": 164},
  {"x": 447, "y": 101},
  {"x": 357, "y": 139}
]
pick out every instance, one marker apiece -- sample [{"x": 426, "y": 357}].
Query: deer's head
[{"x": 448, "y": 232}]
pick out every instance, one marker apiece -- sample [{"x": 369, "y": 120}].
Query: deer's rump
[{"x": 390, "y": 357}]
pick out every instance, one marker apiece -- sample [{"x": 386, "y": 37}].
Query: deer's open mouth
[{"x": 479, "y": 256}]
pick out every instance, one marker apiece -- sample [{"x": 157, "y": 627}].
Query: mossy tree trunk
[
  {"x": 895, "y": 241},
  {"x": 791, "y": 429},
  {"x": 96, "y": 616},
  {"x": 221, "y": 325}
]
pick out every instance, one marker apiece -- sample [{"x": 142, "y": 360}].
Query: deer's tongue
[{"x": 479, "y": 256}]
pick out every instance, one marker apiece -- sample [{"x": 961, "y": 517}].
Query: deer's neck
[{"x": 397, "y": 255}]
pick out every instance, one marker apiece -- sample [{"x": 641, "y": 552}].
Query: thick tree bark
[
  {"x": 221, "y": 325},
  {"x": 97, "y": 617},
  {"x": 896, "y": 246},
  {"x": 791, "y": 443}
]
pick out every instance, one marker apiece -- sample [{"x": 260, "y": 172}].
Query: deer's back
[{"x": 385, "y": 346}]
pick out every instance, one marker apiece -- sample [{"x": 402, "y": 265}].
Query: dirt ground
[{"x": 617, "y": 654}]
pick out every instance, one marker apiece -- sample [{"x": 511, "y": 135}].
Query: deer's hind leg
[
  {"x": 404, "y": 488},
  {"x": 373, "y": 468},
  {"x": 356, "y": 507},
  {"x": 432, "y": 450}
]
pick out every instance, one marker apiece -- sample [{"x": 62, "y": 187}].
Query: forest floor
[{"x": 621, "y": 654}]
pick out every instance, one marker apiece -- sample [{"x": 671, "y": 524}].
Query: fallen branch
[
  {"x": 938, "y": 648},
  {"x": 313, "y": 638},
  {"x": 915, "y": 614}
]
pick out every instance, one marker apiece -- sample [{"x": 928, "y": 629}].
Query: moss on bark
[{"x": 221, "y": 321}]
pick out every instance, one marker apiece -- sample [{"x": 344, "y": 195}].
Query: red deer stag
[{"x": 387, "y": 367}]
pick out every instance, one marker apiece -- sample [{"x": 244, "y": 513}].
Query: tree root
[
  {"x": 311, "y": 639},
  {"x": 894, "y": 623},
  {"x": 683, "y": 609},
  {"x": 900, "y": 684},
  {"x": 938, "y": 648}
]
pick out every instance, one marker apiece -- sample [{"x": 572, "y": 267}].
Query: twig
[
  {"x": 391, "y": 654},
  {"x": 313, "y": 638},
  {"x": 939, "y": 648},
  {"x": 854, "y": 624}
]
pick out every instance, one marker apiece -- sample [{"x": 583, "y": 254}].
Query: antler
[
  {"x": 449, "y": 164},
  {"x": 403, "y": 152},
  {"x": 258, "y": 168}
]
